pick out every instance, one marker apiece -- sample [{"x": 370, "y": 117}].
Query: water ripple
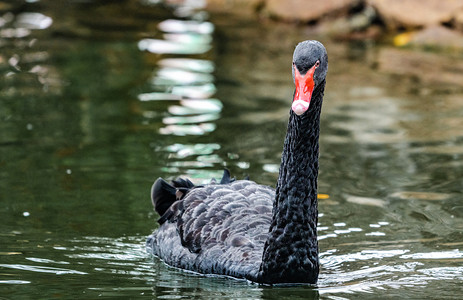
[
  {"x": 201, "y": 118},
  {"x": 14, "y": 282},
  {"x": 435, "y": 255},
  {"x": 183, "y": 130},
  {"x": 185, "y": 150},
  {"x": 41, "y": 269}
]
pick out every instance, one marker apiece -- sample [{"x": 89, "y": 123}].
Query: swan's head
[{"x": 310, "y": 64}]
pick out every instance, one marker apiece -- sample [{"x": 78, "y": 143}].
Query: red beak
[{"x": 304, "y": 90}]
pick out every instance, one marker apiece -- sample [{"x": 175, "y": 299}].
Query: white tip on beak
[{"x": 300, "y": 106}]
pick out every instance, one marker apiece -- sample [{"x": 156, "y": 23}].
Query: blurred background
[{"x": 99, "y": 98}]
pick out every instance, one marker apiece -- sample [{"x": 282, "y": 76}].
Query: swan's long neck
[{"x": 291, "y": 251}]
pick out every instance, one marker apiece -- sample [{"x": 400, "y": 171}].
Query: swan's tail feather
[
  {"x": 182, "y": 183},
  {"x": 183, "y": 186},
  {"x": 226, "y": 178},
  {"x": 162, "y": 195}
]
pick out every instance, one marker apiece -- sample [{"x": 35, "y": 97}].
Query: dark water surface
[{"x": 99, "y": 98}]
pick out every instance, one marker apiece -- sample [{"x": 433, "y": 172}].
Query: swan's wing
[
  {"x": 224, "y": 215},
  {"x": 164, "y": 194},
  {"x": 217, "y": 228}
]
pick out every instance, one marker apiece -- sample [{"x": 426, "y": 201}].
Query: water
[{"x": 97, "y": 101}]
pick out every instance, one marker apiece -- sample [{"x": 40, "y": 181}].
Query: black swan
[{"x": 245, "y": 230}]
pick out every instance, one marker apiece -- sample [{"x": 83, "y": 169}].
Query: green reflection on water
[{"x": 79, "y": 150}]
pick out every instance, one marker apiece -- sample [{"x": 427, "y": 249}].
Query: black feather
[
  {"x": 162, "y": 196},
  {"x": 226, "y": 178},
  {"x": 183, "y": 183}
]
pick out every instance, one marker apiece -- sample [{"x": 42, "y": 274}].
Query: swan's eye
[{"x": 317, "y": 64}]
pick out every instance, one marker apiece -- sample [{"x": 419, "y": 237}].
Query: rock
[
  {"x": 458, "y": 19},
  {"x": 432, "y": 69},
  {"x": 306, "y": 10},
  {"x": 235, "y": 7},
  {"x": 355, "y": 27},
  {"x": 363, "y": 20},
  {"x": 438, "y": 37},
  {"x": 415, "y": 13}
]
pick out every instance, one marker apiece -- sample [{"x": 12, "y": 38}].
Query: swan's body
[
  {"x": 246, "y": 230},
  {"x": 231, "y": 241}
]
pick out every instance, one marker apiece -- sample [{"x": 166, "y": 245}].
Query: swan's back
[{"x": 216, "y": 229}]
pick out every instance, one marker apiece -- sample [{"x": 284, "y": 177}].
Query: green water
[{"x": 98, "y": 99}]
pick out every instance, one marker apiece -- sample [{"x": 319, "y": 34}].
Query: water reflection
[
  {"x": 29, "y": 66},
  {"x": 78, "y": 152},
  {"x": 189, "y": 84},
  {"x": 194, "y": 65},
  {"x": 32, "y": 20},
  {"x": 180, "y": 26},
  {"x": 14, "y": 33},
  {"x": 181, "y": 151},
  {"x": 190, "y": 81},
  {"x": 189, "y": 107},
  {"x": 183, "y": 130},
  {"x": 158, "y": 96},
  {"x": 170, "y": 76},
  {"x": 180, "y": 37},
  {"x": 176, "y": 44}
]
